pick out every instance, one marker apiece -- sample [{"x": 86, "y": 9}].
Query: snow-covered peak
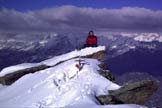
[
  {"x": 142, "y": 37},
  {"x": 60, "y": 86},
  {"x": 73, "y": 83},
  {"x": 125, "y": 34},
  {"x": 148, "y": 37},
  {"x": 54, "y": 60},
  {"x": 25, "y": 41},
  {"x": 73, "y": 54}
]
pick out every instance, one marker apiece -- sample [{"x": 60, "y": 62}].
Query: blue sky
[{"x": 25, "y": 5}]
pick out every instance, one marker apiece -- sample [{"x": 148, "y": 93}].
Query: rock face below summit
[
  {"x": 132, "y": 93},
  {"x": 12, "y": 77},
  {"x": 98, "y": 55},
  {"x": 106, "y": 73}
]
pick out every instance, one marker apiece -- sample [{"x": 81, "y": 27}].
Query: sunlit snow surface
[
  {"x": 60, "y": 86},
  {"x": 53, "y": 61},
  {"x": 76, "y": 53}
]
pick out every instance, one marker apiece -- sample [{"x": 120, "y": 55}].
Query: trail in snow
[{"x": 64, "y": 85}]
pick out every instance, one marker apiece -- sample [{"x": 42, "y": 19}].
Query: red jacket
[{"x": 91, "y": 40}]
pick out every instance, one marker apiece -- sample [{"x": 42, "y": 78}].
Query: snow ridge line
[{"x": 10, "y": 78}]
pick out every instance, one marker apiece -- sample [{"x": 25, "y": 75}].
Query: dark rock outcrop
[
  {"x": 106, "y": 73},
  {"x": 108, "y": 99},
  {"x": 10, "y": 78},
  {"x": 98, "y": 55},
  {"x": 133, "y": 93}
]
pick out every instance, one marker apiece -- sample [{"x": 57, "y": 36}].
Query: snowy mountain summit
[{"x": 71, "y": 80}]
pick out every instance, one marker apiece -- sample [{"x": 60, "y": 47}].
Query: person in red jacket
[{"x": 91, "y": 40}]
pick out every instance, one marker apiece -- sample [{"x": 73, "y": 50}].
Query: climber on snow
[{"x": 91, "y": 40}]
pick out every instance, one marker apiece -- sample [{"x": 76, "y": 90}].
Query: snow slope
[
  {"x": 148, "y": 37},
  {"x": 73, "y": 54},
  {"x": 53, "y": 61},
  {"x": 63, "y": 85}
]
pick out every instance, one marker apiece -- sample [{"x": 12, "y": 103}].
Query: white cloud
[{"x": 72, "y": 17}]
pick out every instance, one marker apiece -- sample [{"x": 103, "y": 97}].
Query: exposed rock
[
  {"x": 108, "y": 99},
  {"x": 106, "y": 73},
  {"x": 98, "y": 55},
  {"x": 133, "y": 93},
  {"x": 156, "y": 99},
  {"x": 12, "y": 77}
]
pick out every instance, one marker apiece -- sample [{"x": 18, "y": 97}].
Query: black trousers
[{"x": 90, "y": 45}]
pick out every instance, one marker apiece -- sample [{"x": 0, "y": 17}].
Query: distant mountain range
[{"x": 127, "y": 51}]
